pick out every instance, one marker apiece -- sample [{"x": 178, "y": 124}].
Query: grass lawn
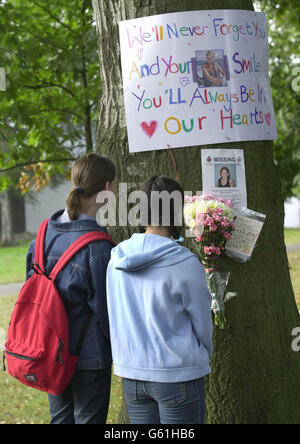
[
  {"x": 13, "y": 259},
  {"x": 294, "y": 260},
  {"x": 292, "y": 236},
  {"x": 13, "y": 263}
]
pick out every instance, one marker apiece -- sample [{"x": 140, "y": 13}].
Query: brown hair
[
  {"x": 228, "y": 171},
  {"x": 90, "y": 173}
]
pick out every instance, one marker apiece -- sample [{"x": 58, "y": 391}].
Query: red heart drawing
[
  {"x": 268, "y": 118},
  {"x": 149, "y": 129}
]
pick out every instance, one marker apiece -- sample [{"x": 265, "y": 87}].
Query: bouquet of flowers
[{"x": 211, "y": 221}]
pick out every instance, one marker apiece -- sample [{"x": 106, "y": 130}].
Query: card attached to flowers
[{"x": 248, "y": 226}]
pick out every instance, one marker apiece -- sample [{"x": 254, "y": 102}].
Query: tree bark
[
  {"x": 255, "y": 372},
  {"x": 7, "y": 237},
  {"x": 84, "y": 80}
]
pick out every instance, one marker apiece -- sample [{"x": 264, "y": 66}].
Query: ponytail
[
  {"x": 90, "y": 173},
  {"x": 73, "y": 204}
]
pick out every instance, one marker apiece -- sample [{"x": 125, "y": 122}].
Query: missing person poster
[
  {"x": 223, "y": 175},
  {"x": 196, "y": 78}
]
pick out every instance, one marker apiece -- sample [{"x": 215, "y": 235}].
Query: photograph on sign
[
  {"x": 211, "y": 68},
  {"x": 196, "y": 78},
  {"x": 223, "y": 175}
]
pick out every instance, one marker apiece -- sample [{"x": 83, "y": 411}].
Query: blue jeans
[
  {"x": 85, "y": 401},
  {"x": 165, "y": 403}
]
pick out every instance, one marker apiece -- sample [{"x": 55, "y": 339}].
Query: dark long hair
[
  {"x": 161, "y": 184},
  {"x": 90, "y": 173}
]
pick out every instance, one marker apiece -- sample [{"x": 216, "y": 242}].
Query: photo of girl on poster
[{"x": 225, "y": 180}]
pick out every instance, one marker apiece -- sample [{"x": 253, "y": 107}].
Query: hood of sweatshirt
[{"x": 147, "y": 250}]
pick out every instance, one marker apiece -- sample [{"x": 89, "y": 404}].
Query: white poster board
[
  {"x": 223, "y": 175},
  {"x": 197, "y": 77}
]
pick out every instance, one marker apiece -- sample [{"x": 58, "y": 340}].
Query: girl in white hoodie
[{"x": 160, "y": 320}]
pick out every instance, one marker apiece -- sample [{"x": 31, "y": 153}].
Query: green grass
[
  {"x": 13, "y": 263},
  {"x": 294, "y": 261},
  {"x": 13, "y": 259},
  {"x": 292, "y": 236},
  {"x": 22, "y": 405}
]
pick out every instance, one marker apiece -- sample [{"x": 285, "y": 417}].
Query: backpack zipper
[
  {"x": 59, "y": 356},
  {"x": 59, "y": 352},
  {"x": 22, "y": 357}
]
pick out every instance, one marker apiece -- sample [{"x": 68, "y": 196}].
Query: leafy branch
[{"x": 21, "y": 165}]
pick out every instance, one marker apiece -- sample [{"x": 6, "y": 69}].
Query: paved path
[
  {"x": 294, "y": 247},
  {"x": 10, "y": 289}
]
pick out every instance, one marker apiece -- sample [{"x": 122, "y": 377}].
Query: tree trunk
[
  {"x": 84, "y": 82},
  {"x": 255, "y": 372},
  {"x": 7, "y": 237}
]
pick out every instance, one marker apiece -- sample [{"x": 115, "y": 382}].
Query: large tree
[
  {"x": 255, "y": 372},
  {"x": 49, "y": 52}
]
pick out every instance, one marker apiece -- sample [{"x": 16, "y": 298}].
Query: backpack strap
[
  {"x": 62, "y": 262},
  {"x": 39, "y": 245},
  {"x": 76, "y": 247}
]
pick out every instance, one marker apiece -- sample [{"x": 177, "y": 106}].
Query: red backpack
[{"x": 37, "y": 348}]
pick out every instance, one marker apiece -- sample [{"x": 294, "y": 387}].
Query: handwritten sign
[{"x": 194, "y": 78}]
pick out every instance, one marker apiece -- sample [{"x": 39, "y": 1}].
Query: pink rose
[
  {"x": 199, "y": 218},
  {"x": 217, "y": 251},
  {"x": 216, "y": 216},
  {"x": 207, "y": 250},
  {"x": 227, "y": 235},
  {"x": 208, "y": 220},
  {"x": 213, "y": 226}
]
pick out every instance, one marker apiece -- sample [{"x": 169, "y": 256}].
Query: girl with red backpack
[{"x": 82, "y": 287}]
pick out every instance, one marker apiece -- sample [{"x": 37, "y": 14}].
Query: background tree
[
  {"x": 285, "y": 83},
  {"x": 48, "y": 113},
  {"x": 255, "y": 377},
  {"x": 49, "y": 53}
]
